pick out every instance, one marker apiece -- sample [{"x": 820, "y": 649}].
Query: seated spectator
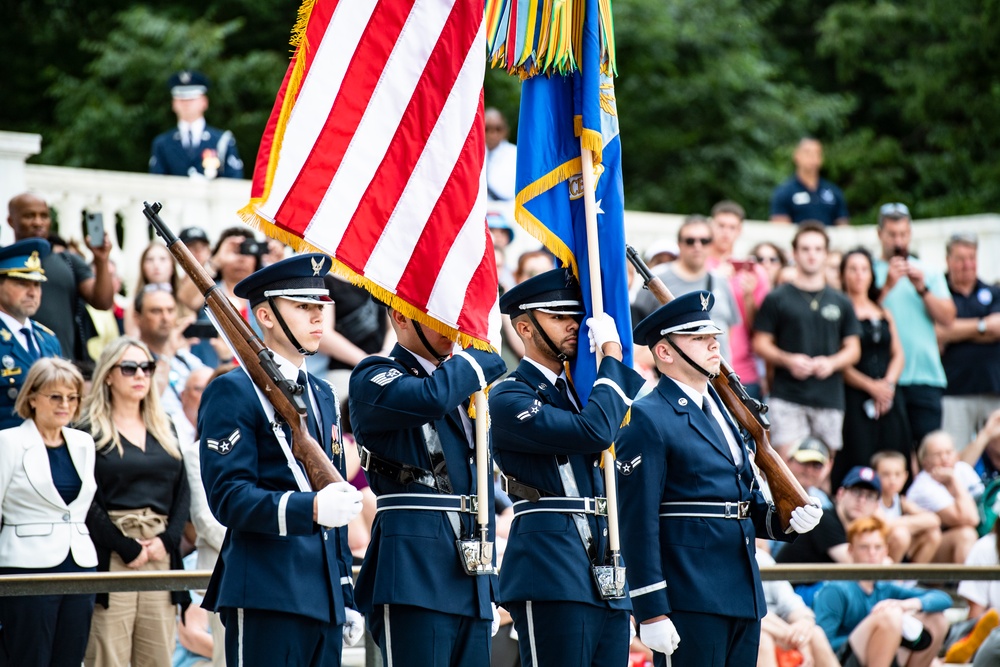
[
  {"x": 984, "y": 600},
  {"x": 950, "y": 488},
  {"x": 914, "y": 534},
  {"x": 874, "y": 623},
  {"x": 791, "y": 625},
  {"x": 983, "y": 453},
  {"x": 810, "y": 464},
  {"x": 827, "y": 542}
]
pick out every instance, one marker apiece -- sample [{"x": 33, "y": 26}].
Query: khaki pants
[{"x": 139, "y": 627}]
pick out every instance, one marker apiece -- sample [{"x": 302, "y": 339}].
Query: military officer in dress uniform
[
  {"x": 194, "y": 148},
  {"x": 22, "y": 340},
  {"x": 282, "y": 584},
  {"x": 691, "y": 504},
  {"x": 548, "y": 445},
  {"x": 409, "y": 412}
]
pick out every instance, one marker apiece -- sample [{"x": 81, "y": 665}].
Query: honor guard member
[
  {"x": 691, "y": 504},
  {"x": 22, "y": 340},
  {"x": 194, "y": 148},
  {"x": 548, "y": 445},
  {"x": 410, "y": 417},
  {"x": 282, "y": 584}
]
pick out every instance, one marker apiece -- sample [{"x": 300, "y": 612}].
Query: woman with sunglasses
[
  {"x": 772, "y": 258},
  {"x": 139, "y": 512},
  {"x": 874, "y": 415},
  {"x": 46, "y": 487}
]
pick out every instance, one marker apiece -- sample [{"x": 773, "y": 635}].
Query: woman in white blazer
[{"x": 46, "y": 488}]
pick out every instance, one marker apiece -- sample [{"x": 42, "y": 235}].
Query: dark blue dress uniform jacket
[
  {"x": 532, "y": 427},
  {"x": 274, "y": 557},
  {"x": 170, "y": 157},
  {"x": 704, "y": 565},
  {"x": 15, "y": 363},
  {"x": 412, "y": 558}
]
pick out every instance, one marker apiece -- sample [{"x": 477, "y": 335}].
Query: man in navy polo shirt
[
  {"x": 807, "y": 196},
  {"x": 971, "y": 355}
]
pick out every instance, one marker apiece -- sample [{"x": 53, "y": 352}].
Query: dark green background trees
[{"x": 712, "y": 94}]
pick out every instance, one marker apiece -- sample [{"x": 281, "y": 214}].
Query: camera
[
  {"x": 900, "y": 251},
  {"x": 250, "y": 246}
]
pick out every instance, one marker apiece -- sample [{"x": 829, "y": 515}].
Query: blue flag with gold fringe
[{"x": 563, "y": 109}]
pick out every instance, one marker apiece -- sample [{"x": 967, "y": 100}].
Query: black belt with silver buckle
[
  {"x": 712, "y": 510},
  {"x": 402, "y": 473}
]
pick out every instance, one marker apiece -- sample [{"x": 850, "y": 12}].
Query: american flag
[{"x": 374, "y": 154}]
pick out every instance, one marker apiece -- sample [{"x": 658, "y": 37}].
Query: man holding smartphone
[{"x": 68, "y": 278}]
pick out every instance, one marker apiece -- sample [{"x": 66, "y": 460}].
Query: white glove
[
  {"x": 632, "y": 634},
  {"x": 337, "y": 504},
  {"x": 495, "y": 627},
  {"x": 602, "y": 330},
  {"x": 660, "y": 636},
  {"x": 354, "y": 627},
  {"x": 806, "y": 518}
]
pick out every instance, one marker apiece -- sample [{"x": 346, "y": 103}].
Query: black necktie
[
  {"x": 29, "y": 339},
  {"x": 563, "y": 390},
  {"x": 310, "y": 417},
  {"x": 706, "y": 406}
]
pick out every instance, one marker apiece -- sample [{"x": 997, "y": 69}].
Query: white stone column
[{"x": 15, "y": 149}]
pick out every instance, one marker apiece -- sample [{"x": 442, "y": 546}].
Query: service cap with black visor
[
  {"x": 298, "y": 279},
  {"x": 689, "y": 315},
  {"x": 556, "y": 292}
]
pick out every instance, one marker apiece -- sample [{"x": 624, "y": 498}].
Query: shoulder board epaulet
[{"x": 43, "y": 328}]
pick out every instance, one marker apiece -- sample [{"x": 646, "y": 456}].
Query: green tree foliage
[
  {"x": 108, "y": 116},
  {"x": 704, "y": 114}
]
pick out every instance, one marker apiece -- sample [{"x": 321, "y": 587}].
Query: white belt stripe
[
  {"x": 344, "y": 581},
  {"x": 282, "y": 514},
  {"x": 636, "y": 592},
  {"x": 531, "y": 634},
  {"x": 703, "y": 516},
  {"x": 618, "y": 390},
  {"x": 475, "y": 366}
]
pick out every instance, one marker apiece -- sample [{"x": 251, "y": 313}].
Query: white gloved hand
[
  {"x": 660, "y": 636},
  {"x": 495, "y": 627},
  {"x": 806, "y": 518},
  {"x": 354, "y": 627},
  {"x": 602, "y": 330},
  {"x": 337, "y": 504},
  {"x": 632, "y": 634}
]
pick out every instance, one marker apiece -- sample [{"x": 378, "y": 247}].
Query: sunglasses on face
[
  {"x": 692, "y": 240},
  {"x": 767, "y": 260},
  {"x": 129, "y": 368}
]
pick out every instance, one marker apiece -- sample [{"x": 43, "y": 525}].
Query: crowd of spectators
[{"x": 880, "y": 374}]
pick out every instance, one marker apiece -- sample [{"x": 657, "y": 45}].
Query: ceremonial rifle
[
  {"x": 748, "y": 412},
  {"x": 258, "y": 361}
]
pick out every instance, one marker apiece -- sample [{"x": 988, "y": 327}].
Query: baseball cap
[
  {"x": 661, "y": 247},
  {"x": 190, "y": 235},
  {"x": 861, "y": 476},
  {"x": 811, "y": 450}
]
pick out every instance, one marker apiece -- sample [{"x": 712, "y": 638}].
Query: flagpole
[
  {"x": 484, "y": 474},
  {"x": 597, "y": 300}
]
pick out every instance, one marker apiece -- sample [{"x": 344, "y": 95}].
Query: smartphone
[
  {"x": 743, "y": 264},
  {"x": 95, "y": 229},
  {"x": 200, "y": 330}
]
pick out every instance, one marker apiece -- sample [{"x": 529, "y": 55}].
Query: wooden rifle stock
[
  {"x": 283, "y": 394},
  {"x": 785, "y": 489}
]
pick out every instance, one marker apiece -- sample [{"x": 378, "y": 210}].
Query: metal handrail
[{"x": 172, "y": 580}]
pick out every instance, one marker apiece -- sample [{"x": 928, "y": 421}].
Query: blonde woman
[
  {"x": 141, "y": 507},
  {"x": 46, "y": 487}
]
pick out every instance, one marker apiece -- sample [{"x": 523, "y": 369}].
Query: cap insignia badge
[
  {"x": 33, "y": 263},
  {"x": 317, "y": 266},
  {"x": 704, "y": 301}
]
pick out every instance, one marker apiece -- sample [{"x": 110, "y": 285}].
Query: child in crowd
[{"x": 914, "y": 533}]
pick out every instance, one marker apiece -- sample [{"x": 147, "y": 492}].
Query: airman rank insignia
[
  {"x": 628, "y": 467},
  {"x": 525, "y": 415},
  {"x": 384, "y": 378},
  {"x": 225, "y": 445}
]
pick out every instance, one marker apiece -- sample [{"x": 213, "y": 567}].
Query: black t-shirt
[
  {"x": 358, "y": 318},
  {"x": 138, "y": 478},
  {"x": 814, "y": 546},
  {"x": 64, "y": 272},
  {"x": 812, "y": 323},
  {"x": 972, "y": 367}
]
